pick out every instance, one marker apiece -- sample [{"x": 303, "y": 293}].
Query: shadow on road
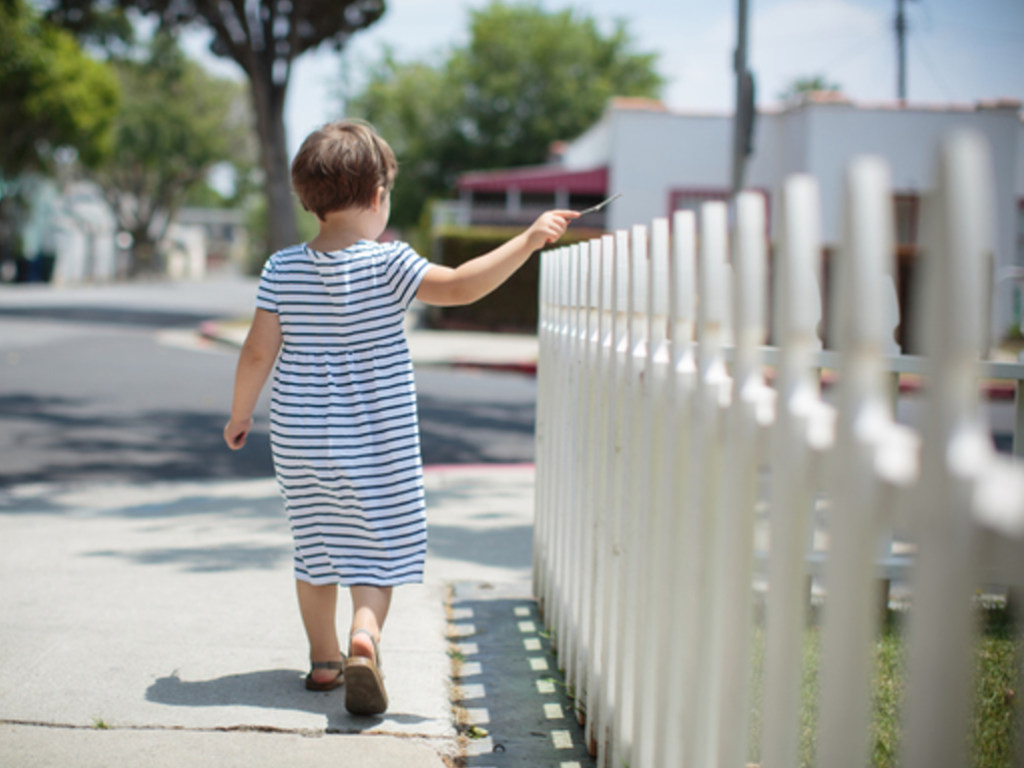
[
  {"x": 66, "y": 440},
  {"x": 475, "y": 432},
  {"x": 502, "y": 547}
]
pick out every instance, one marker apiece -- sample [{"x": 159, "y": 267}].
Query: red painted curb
[
  {"x": 481, "y": 468},
  {"x": 527, "y": 369}
]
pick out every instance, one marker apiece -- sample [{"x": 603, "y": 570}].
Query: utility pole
[
  {"x": 901, "y": 53},
  {"x": 744, "y": 116}
]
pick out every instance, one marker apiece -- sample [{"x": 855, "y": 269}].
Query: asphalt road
[{"x": 113, "y": 384}]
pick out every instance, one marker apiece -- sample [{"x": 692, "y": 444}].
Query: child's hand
[
  {"x": 235, "y": 432},
  {"x": 548, "y": 227}
]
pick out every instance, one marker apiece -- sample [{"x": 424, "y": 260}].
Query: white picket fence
[{"x": 660, "y": 441}]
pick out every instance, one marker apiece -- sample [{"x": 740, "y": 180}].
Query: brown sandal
[
  {"x": 364, "y": 684},
  {"x": 326, "y": 685}
]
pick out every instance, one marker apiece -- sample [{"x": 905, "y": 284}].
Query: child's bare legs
[
  {"x": 369, "y": 609},
  {"x": 318, "y": 605}
]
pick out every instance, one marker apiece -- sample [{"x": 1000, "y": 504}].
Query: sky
[{"x": 958, "y": 51}]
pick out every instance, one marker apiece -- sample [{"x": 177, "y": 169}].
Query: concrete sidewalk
[{"x": 153, "y": 626}]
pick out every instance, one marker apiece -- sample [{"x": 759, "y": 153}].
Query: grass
[
  {"x": 997, "y": 669},
  {"x": 998, "y": 660}
]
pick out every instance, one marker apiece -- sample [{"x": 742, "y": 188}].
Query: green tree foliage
[
  {"x": 176, "y": 122},
  {"x": 53, "y": 94},
  {"x": 414, "y": 106},
  {"x": 531, "y": 77},
  {"x": 526, "y": 78},
  {"x": 263, "y": 37},
  {"x": 803, "y": 85}
]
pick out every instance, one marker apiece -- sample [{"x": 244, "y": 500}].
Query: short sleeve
[
  {"x": 406, "y": 270},
  {"x": 267, "y": 292}
]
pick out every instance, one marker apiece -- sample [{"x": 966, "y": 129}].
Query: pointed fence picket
[{"x": 660, "y": 441}]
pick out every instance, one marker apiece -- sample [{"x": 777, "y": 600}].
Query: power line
[
  {"x": 926, "y": 60},
  {"x": 864, "y": 48}
]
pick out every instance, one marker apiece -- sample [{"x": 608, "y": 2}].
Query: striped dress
[{"x": 344, "y": 430}]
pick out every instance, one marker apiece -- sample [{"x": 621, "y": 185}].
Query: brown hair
[{"x": 342, "y": 165}]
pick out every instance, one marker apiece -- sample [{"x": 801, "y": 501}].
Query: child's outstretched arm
[
  {"x": 446, "y": 286},
  {"x": 254, "y": 365}
]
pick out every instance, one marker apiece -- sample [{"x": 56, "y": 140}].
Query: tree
[
  {"x": 414, "y": 106},
  {"x": 525, "y": 79},
  {"x": 805, "y": 85},
  {"x": 53, "y": 97},
  {"x": 263, "y": 37},
  {"x": 176, "y": 122},
  {"x": 53, "y": 94},
  {"x": 531, "y": 77}
]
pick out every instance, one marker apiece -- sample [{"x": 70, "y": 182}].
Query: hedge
[{"x": 513, "y": 306}]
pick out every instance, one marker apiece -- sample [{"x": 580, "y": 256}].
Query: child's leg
[
  {"x": 318, "y": 606},
  {"x": 369, "y": 609}
]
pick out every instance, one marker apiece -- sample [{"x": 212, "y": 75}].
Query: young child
[{"x": 344, "y": 429}]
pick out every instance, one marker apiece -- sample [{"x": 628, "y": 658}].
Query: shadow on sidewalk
[
  {"x": 270, "y": 689},
  {"x": 225, "y": 557}
]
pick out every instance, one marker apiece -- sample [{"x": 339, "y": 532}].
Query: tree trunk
[
  {"x": 145, "y": 260},
  {"x": 268, "y": 103}
]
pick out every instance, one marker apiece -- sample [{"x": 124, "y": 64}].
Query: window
[
  {"x": 579, "y": 202},
  {"x": 489, "y": 198},
  {"x": 542, "y": 200},
  {"x": 907, "y": 214}
]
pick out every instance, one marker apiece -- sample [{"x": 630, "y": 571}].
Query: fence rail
[{"x": 675, "y": 470}]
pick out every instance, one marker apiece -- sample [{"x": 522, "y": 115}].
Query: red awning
[{"x": 537, "y": 178}]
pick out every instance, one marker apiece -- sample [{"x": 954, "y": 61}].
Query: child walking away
[{"x": 344, "y": 432}]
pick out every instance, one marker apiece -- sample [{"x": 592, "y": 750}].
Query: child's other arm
[
  {"x": 464, "y": 284},
  {"x": 254, "y": 365}
]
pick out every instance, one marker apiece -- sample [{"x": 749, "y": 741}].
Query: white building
[
  {"x": 662, "y": 161},
  {"x": 84, "y": 232},
  {"x": 73, "y": 231},
  {"x": 205, "y": 241}
]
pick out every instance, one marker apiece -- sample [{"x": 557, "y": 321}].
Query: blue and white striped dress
[{"x": 344, "y": 429}]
